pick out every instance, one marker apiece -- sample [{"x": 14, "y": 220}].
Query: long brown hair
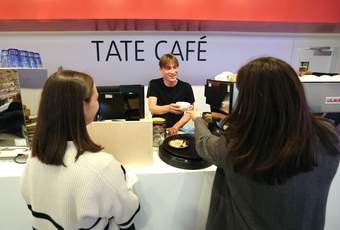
[
  {"x": 61, "y": 117},
  {"x": 272, "y": 134}
]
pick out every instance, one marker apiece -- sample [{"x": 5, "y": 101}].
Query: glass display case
[{"x": 20, "y": 91}]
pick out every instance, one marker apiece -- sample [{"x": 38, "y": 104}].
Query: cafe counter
[{"x": 170, "y": 198}]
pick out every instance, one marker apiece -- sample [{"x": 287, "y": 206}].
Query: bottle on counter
[
  {"x": 37, "y": 60},
  {"x": 24, "y": 59},
  {"x": 31, "y": 59},
  {"x": 13, "y": 58},
  {"x": 4, "y": 58}
]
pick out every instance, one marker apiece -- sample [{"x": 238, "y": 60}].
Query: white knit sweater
[{"x": 89, "y": 192}]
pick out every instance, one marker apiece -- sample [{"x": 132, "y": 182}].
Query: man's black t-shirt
[{"x": 182, "y": 91}]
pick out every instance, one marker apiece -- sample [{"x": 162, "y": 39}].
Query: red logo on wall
[{"x": 332, "y": 100}]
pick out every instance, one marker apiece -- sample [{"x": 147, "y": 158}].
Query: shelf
[{"x": 166, "y": 25}]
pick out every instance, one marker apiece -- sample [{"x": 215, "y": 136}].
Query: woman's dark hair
[
  {"x": 272, "y": 134},
  {"x": 167, "y": 59},
  {"x": 61, "y": 117}
]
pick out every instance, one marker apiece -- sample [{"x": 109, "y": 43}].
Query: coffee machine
[
  {"x": 322, "y": 94},
  {"x": 221, "y": 96}
]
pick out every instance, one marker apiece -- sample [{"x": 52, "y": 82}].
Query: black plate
[
  {"x": 185, "y": 158},
  {"x": 188, "y": 152},
  {"x": 182, "y": 163}
]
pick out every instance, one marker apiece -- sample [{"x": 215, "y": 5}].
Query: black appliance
[
  {"x": 184, "y": 158},
  {"x": 121, "y": 102},
  {"x": 216, "y": 92},
  {"x": 319, "y": 74}
]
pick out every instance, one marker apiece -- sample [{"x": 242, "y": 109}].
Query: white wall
[{"x": 221, "y": 51}]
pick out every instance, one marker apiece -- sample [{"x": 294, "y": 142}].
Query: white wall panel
[{"x": 224, "y": 51}]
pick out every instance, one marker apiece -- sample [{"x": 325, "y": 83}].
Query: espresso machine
[
  {"x": 322, "y": 94},
  {"x": 221, "y": 96}
]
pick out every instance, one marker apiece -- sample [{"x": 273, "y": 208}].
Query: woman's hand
[
  {"x": 193, "y": 113},
  {"x": 172, "y": 131},
  {"x": 218, "y": 116}
]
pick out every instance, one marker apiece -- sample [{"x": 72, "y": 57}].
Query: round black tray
[{"x": 184, "y": 158}]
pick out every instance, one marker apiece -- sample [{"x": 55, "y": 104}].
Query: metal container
[{"x": 158, "y": 131}]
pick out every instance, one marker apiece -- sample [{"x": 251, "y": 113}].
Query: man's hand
[
  {"x": 172, "y": 131},
  {"x": 174, "y": 108}
]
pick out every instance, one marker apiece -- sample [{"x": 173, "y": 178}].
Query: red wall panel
[
  {"x": 315, "y": 16},
  {"x": 311, "y": 11}
]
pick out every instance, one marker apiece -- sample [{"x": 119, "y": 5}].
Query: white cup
[{"x": 183, "y": 105}]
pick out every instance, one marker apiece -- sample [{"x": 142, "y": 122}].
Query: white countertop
[
  {"x": 182, "y": 196},
  {"x": 190, "y": 190},
  {"x": 8, "y": 168}
]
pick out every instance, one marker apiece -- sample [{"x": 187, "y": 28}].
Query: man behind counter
[{"x": 163, "y": 93}]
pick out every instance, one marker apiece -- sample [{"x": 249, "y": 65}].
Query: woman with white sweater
[{"x": 69, "y": 182}]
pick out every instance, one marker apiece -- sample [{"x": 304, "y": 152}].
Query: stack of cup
[{"x": 14, "y": 58}]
